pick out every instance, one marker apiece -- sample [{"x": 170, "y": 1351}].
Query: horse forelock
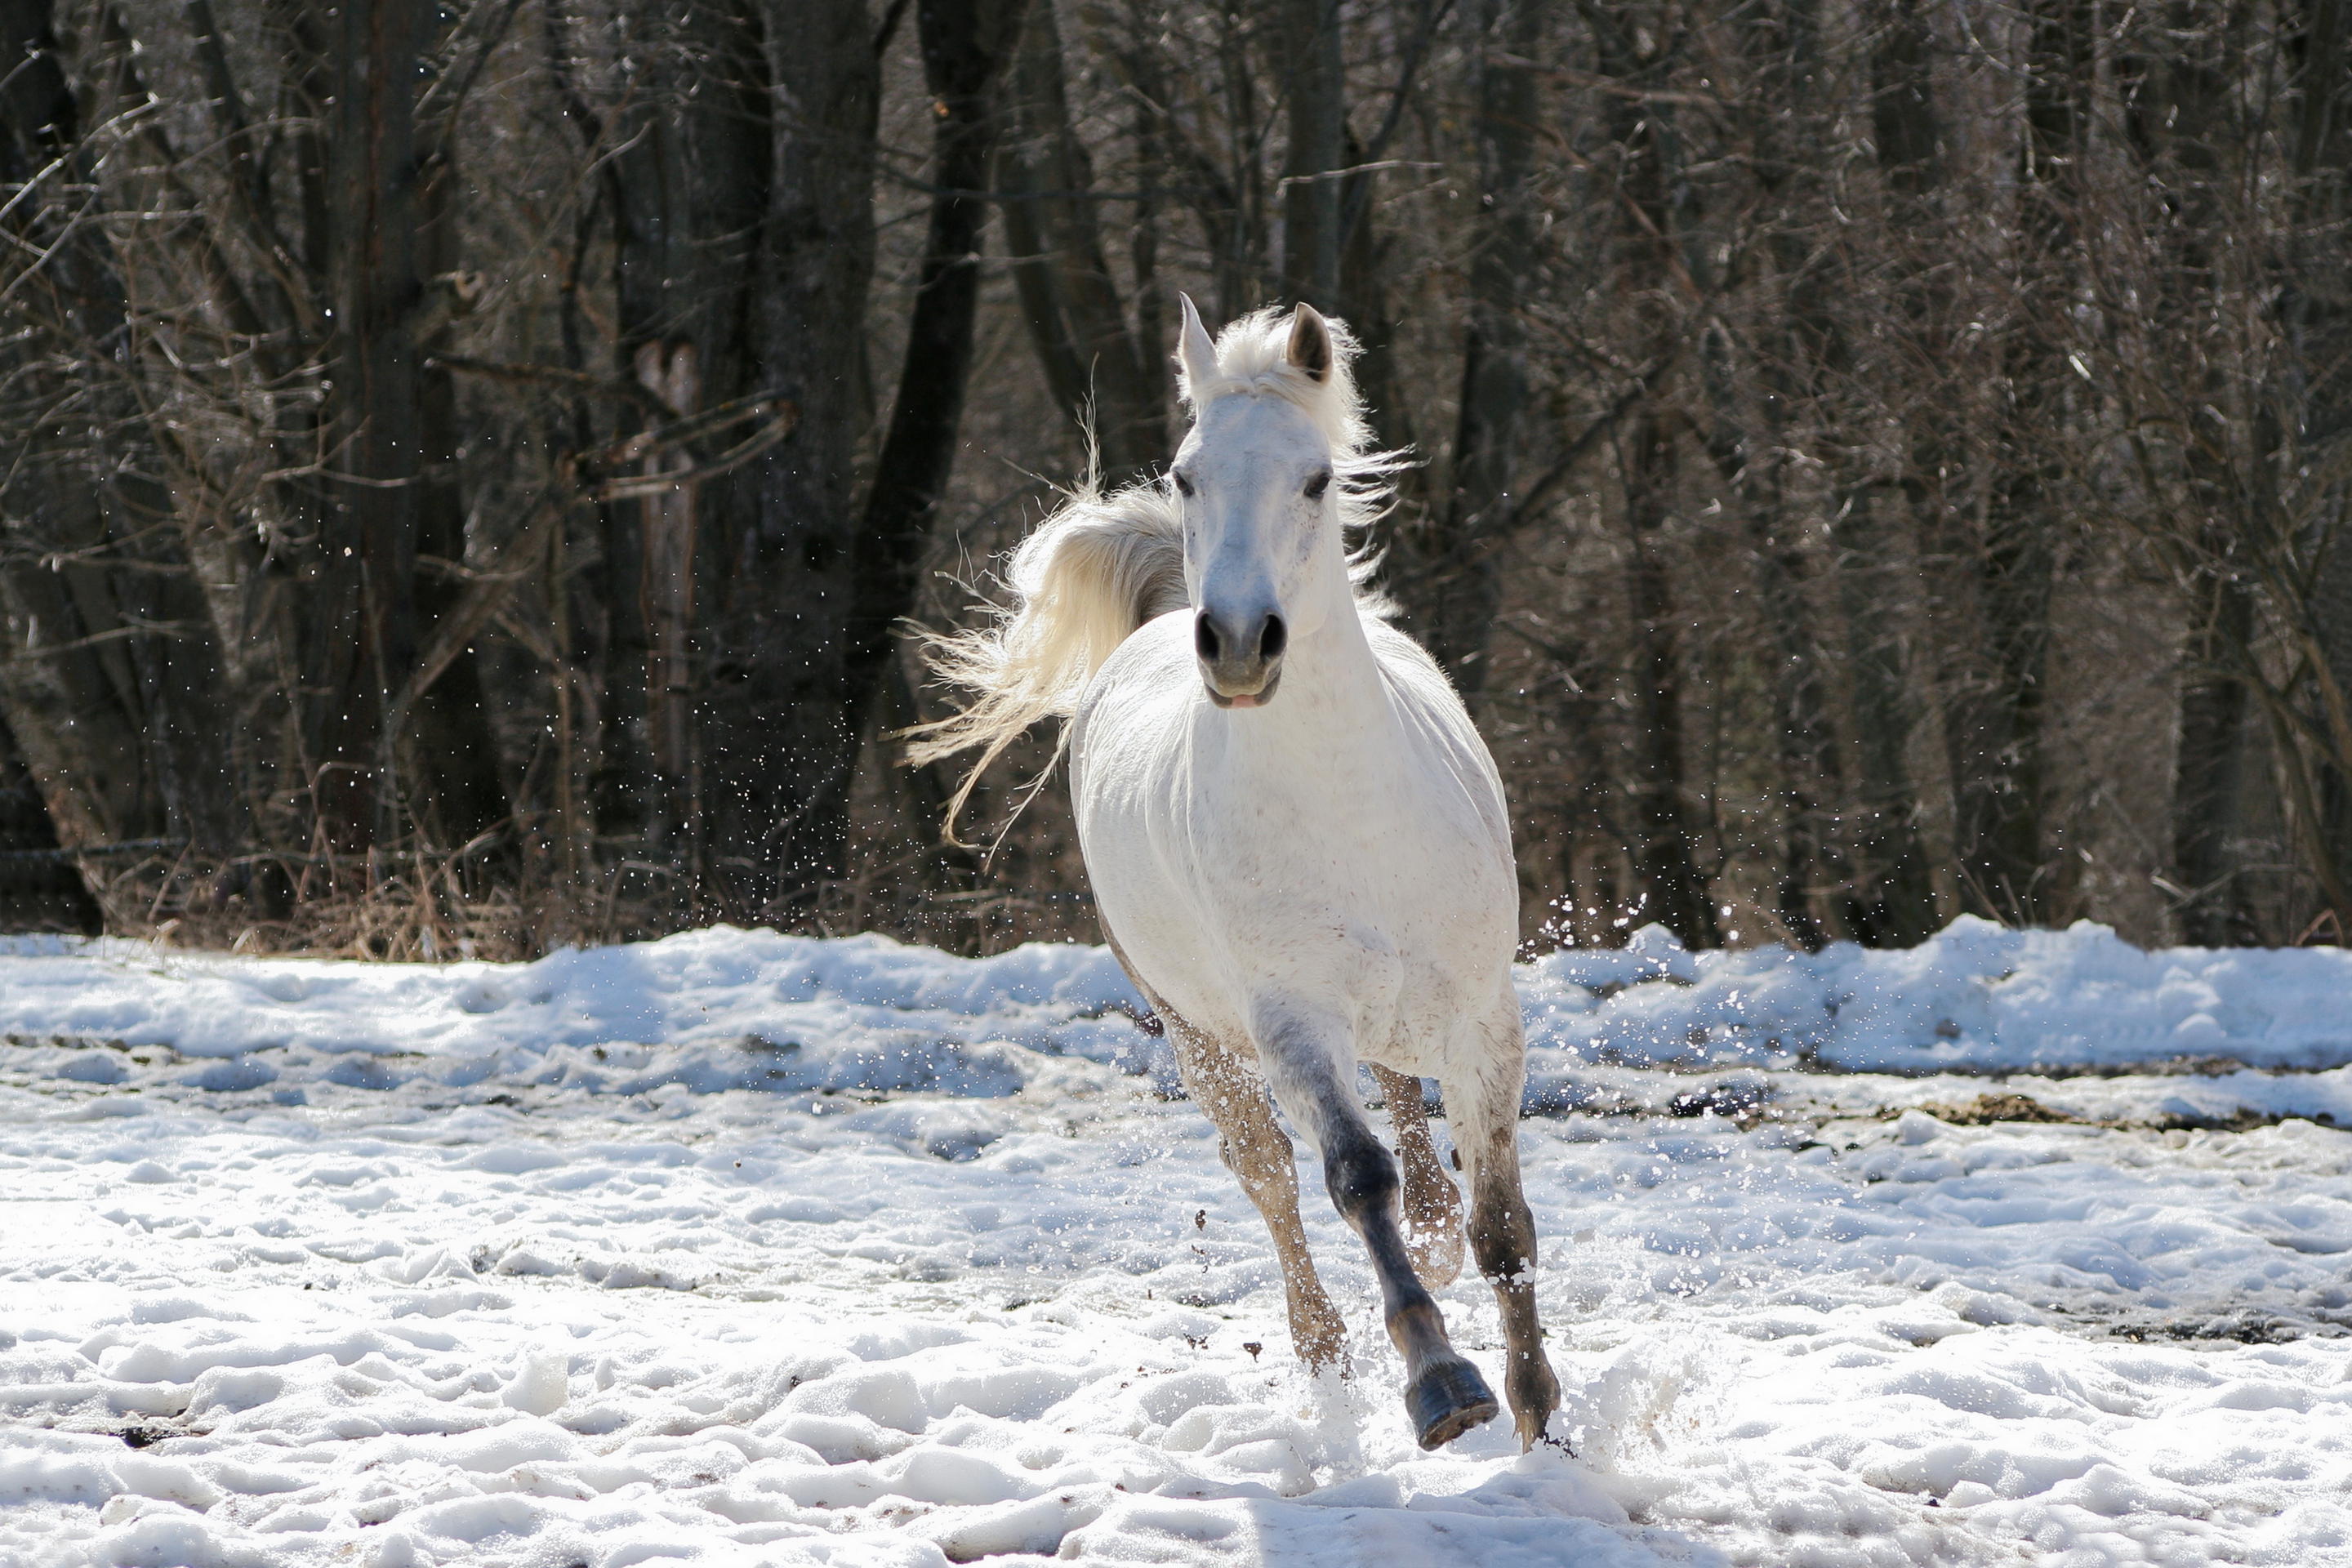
[{"x": 1252, "y": 358}]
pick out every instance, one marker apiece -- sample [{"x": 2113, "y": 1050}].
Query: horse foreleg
[
  {"x": 1484, "y": 1116},
  {"x": 1258, "y": 1152},
  {"x": 1445, "y": 1395},
  {"x": 1433, "y": 1205}
]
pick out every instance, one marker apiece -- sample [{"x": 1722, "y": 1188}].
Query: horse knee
[{"x": 1361, "y": 1176}]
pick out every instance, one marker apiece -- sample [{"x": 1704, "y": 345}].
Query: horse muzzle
[{"x": 1241, "y": 656}]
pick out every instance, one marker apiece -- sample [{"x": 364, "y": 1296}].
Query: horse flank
[{"x": 1103, "y": 564}]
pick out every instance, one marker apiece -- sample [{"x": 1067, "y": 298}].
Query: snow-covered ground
[{"x": 744, "y": 1248}]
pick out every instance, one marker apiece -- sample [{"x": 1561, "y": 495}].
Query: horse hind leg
[
  {"x": 1258, "y": 1152},
  {"x": 1484, "y": 1116},
  {"x": 1433, "y": 1205}
]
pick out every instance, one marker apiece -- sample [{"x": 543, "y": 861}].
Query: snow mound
[
  {"x": 711, "y": 1010},
  {"x": 1975, "y": 997},
  {"x": 727, "y": 1009}
]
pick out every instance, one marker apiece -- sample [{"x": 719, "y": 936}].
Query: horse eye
[
  {"x": 1183, "y": 485},
  {"x": 1318, "y": 485}
]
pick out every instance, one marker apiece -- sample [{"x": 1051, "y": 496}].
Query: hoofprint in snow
[{"x": 745, "y": 1248}]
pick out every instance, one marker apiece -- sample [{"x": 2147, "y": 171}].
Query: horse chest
[{"x": 1366, "y": 881}]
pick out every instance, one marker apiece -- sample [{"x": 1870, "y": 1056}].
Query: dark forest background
[{"x": 468, "y": 468}]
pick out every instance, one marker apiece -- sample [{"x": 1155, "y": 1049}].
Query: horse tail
[{"x": 1091, "y": 574}]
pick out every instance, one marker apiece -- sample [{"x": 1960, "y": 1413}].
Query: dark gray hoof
[{"x": 1446, "y": 1400}]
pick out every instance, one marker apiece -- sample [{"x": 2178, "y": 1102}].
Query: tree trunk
[
  {"x": 1153, "y": 308},
  {"x": 688, "y": 192},
  {"x": 40, "y": 889},
  {"x": 1673, "y": 890},
  {"x": 1364, "y": 304},
  {"x": 1803, "y": 745},
  {"x": 1887, "y": 898},
  {"x": 1749, "y": 433},
  {"x": 2005, "y": 566},
  {"x": 1656, "y": 231},
  {"x": 2210, "y": 772},
  {"x": 361, "y": 626},
  {"x": 1313, "y": 83},
  {"x": 1892, "y": 901},
  {"x": 2317, "y": 306},
  {"x": 1454, "y": 585},
  {"x": 1095, "y": 368},
  {"x": 2176, "y": 127},
  {"x": 447, "y": 756},
  {"x": 965, "y": 44},
  {"x": 778, "y": 744}
]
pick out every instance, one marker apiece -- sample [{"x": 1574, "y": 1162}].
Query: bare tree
[{"x": 1452, "y": 591}]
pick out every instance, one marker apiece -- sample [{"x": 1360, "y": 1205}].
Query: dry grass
[
  {"x": 409, "y": 909},
  {"x": 431, "y": 907}
]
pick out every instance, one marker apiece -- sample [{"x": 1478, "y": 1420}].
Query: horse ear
[
  {"x": 1310, "y": 343},
  {"x": 1196, "y": 352}
]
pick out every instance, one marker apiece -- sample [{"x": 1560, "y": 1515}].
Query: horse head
[{"x": 1264, "y": 561}]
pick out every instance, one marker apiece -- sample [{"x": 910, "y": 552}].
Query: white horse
[{"x": 1293, "y": 886}]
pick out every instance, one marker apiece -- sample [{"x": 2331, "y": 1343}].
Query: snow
[
  {"x": 739, "y": 1248},
  {"x": 1975, "y": 996}
]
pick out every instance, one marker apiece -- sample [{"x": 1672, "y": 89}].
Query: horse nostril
[
  {"x": 1272, "y": 639},
  {"x": 1205, "y": 637}
]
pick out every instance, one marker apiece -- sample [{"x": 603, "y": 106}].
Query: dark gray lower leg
[{"x": 1445, "y": 1395}]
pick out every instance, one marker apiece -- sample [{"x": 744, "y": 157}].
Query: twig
[{"x": 557, "y": 375}]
